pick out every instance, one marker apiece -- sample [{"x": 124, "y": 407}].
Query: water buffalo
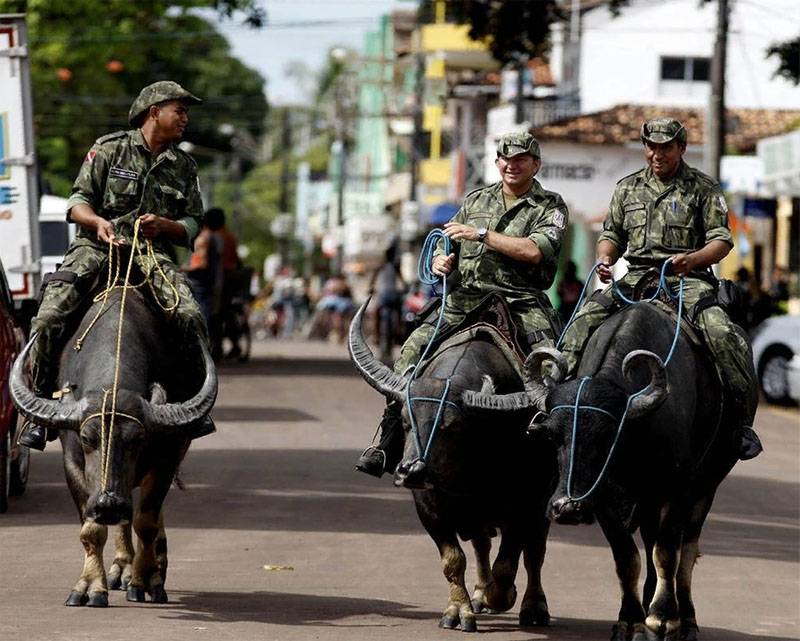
[
  {"x": 151, "y": 434},
  {"x": 658, "y": 472},
  {"x": 483, "y": 472}
]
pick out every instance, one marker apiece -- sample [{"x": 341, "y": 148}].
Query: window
[{"x": 685, "y": 69}]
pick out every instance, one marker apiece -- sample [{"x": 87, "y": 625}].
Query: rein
[
  {"x": 427, "y": 277},
  {"x": 107, "y": 432},
  {"x": 662, "y": 285}
]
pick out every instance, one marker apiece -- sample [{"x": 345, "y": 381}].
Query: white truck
[{"x": 34, "y": 233}]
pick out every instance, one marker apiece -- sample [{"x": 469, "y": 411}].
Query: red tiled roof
[{"x": 620, "y": 125}]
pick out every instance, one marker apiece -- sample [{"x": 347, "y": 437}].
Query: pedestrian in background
[{"x": 569, "y": 291}]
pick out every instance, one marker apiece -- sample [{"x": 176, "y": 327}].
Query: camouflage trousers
[
  {"x": 731, "y": 351},
  {"x": 533, "y": 316},
  {"x": 65, "y": 296}
]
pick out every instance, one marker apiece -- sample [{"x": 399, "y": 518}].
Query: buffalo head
[
  {"x": 109, "y": 456},
  {"x": 586, "y": 446}
]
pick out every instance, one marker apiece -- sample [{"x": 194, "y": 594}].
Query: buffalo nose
[
  {"x": 411, "y": 474},
  {"x": 110, "y": 509},
  {"x": 568, "y": 512}
]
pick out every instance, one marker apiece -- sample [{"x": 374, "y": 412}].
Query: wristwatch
[{"x": 482, "y": 231}]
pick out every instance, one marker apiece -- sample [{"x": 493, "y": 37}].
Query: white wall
[{"x": 620, "y": 57}]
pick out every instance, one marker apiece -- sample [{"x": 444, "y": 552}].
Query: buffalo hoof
[
  {"x": 478, "y": 606},
  {"x": 469, "y": 624},
  {"x": 159, "y": 595},
  {"x": 135, "y": 594},
  {"x": 114, "y": 579},
  {"x": 98, "y": 600},
  {"x": 76, "y": 599},
  {"x": 449, "y": 622},
  {"x": 689, "y": 631},
  {"x": 534, "y": 617}
]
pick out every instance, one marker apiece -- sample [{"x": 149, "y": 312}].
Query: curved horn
[
  {"x": 656, "y": 391},
  {"x": 537, "y": 387},
  {"x": 63, "y": 414},
  {"x": 534, "y": 364},
  {"x": 375, "y": 373},
  {"x": 174, "y": 416}
]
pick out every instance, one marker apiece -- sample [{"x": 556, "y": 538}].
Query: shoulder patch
[
  {"x": 723, "y": 205},
  {"x": 559, "y": 218},
  {"x": 114, "y": 136}
]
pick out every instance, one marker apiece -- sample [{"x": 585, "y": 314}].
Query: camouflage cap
[
  {"x": 510, "y": 145},
  {"x": 159, "y": 92},
  {"x": 661, "y": 130}
]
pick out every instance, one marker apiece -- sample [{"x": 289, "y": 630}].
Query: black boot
[
  {"x": 384, "y": 457},
  {"x": 747, "y": 443},
  {"x": 33, "y": 436}
]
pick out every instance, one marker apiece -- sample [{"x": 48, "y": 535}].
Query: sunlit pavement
[{"x": 344, "y": 553}]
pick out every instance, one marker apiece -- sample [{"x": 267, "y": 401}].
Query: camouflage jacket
[
  {"x": 652, "y": 224},
  {"x": 120, "y": 180},
  {"x": 539, "y": 214}
]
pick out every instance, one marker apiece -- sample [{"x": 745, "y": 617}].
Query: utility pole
[
  {"x": 341, "y": 152},
  {"x": 715, "y": 129},
  {"x": 283, "y": 202},
  {"x": 519, "y": 102}
]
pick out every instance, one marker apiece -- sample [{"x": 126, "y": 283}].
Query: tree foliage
[
  {"x": 90, "y": 58},
  {"x": 788, "y": 54},
  {"x": 514, "y": 28}
]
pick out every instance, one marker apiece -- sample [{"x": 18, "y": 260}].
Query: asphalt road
[{"x": 347, "y": 557}]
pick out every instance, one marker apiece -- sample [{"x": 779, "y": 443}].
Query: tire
[
  {"x": 772, "y": 374},
  {"x": 20, "y": 466},
  {"x": 5, "y": 470}
]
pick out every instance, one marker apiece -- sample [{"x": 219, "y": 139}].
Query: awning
[{"x": 442, "y": 213}]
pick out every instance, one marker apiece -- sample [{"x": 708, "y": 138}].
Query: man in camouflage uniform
[
  {"x": 669, "y": 210},
  {"x": 139, "y": 173},
  {"x": 508, "y": 237}
]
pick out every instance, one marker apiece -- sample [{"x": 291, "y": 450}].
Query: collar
[
  {"x": 680, "y": 175},
  {"x": 138, "y": 139},
  {"x": 535, "y": 192}
]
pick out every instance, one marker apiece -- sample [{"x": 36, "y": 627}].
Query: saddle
[{"x": 490, "y": 321}]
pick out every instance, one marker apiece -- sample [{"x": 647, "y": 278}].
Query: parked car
[
  {"x": 776, "y": 341},
  {"x": 793, "y": 377},
  {"x": 14, "y": 460}
]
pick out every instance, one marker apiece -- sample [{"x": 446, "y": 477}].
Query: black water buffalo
[
  {"x": 484, "y": 473},
  {"x": 150, "y": 436},
  {"x": 658, "y": 472}
]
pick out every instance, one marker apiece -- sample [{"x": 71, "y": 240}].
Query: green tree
[
  {"x": 90, "y": 58},
  {"x": 788, "y": 55}
]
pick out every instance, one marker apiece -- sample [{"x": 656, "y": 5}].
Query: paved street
[{"x": 349, "y": 560}]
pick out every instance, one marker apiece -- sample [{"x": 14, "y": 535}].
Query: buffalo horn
[
  {"x": 63, "y": 414},
  {"x": 656, "y": 391},
  {"x": 166, "y": 417},
  {"x": 375, "y": 373},
  {"x": 537, "y": 386}
]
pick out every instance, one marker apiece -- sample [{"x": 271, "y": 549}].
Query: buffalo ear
[{"x": 158, "y": 395}]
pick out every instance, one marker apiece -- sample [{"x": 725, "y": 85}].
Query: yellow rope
[{"x": 105, "y": 443}]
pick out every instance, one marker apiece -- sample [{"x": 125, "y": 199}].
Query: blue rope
[
  {"x": 428, "y": 277},
  {"x": 575, "y": 409},
  {"x": 662, "y": 285}
]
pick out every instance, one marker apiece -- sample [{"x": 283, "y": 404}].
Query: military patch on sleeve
[
  {"x": 722, "y": 204},
  {"x": 90, "y": 156},
  {"x": 552, "y": 234},
  {"x": 119, "y": 172},
  {"x": 559, "y": 219}
]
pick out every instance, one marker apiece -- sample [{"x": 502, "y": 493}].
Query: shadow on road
[
  {"x": 242, "y": 414},
  {"x": 317, "y": 367},
  {"x": 318, "y": 491},
  {"x": 283, "y": 608},
  {"x": 291, "y": 609}
]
